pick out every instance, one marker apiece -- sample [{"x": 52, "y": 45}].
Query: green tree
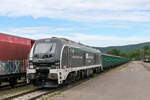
[
  {"x": 123, "y": 54},
  {"x": 135, "y": 55},
  {"x": 146, "y": 50},
  {"x": 114, "y": 52}
]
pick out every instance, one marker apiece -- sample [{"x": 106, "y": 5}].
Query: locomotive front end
[{"x": 44, "y": 63}]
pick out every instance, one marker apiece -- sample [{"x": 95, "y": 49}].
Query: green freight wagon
[{"x": 111, "y": 60}]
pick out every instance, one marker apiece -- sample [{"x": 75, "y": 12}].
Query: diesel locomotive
[{"x": 55, "y": 61}]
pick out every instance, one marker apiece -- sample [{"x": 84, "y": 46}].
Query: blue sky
[{"x": 92, "y": 22}]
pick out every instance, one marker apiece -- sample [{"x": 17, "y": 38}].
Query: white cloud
[
  {"x": 34, "y": 30},
  {"x": 95, "y": 40},
  {"x": 102, "y": 40},
  {"x": 88, "y": 39},
  {"x": 40, "y": 32},
  {"x": 79, "y": 10}
]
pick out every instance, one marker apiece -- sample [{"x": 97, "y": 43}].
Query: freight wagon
[
  {"x": 14, "y": 53},
  {"x": 146, "y": 59},
  {"x": 109, "y": 61}
]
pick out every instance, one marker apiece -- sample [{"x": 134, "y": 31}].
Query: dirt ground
[{"x": 128, "y": 82}]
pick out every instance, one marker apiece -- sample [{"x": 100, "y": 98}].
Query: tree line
[{"x": 134, "y": 55}]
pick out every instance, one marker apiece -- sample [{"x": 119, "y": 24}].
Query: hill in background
[{"x": 126, "y": 48}]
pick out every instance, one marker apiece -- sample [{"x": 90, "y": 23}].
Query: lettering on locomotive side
[
  {"x": 89, "y": 56},
  {"x": 89, "y": 61},
  {"x": 77, "y": 57}
]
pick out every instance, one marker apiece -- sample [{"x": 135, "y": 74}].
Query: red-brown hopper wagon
[{"x": 14, "y": 52}]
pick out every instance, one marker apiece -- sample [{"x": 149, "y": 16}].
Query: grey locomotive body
[{"x": 56, "y": 61}]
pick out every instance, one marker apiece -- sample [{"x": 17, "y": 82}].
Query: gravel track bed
[{"x": 15, "y": 91}]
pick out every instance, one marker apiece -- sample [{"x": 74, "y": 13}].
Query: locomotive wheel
[
  {"x": 78, "y": 76},
  {"x": 69, "y": 79}
]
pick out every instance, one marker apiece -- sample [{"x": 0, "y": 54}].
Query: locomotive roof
[
  {"x": 74, "y": 44},
  {"x": 85, "y": 47}
]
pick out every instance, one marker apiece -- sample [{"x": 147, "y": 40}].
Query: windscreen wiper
[{"x": 51, "y": 48}]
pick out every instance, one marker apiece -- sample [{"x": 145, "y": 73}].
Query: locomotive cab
[{"x": 43, "y": 61}]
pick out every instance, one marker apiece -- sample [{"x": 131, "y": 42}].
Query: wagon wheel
[{"x": 13, "y": 82}]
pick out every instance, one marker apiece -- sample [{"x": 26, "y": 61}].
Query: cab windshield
[{"x": 41, "y": 48}]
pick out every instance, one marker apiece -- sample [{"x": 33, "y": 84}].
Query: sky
[{"x": 92, "y": 22}]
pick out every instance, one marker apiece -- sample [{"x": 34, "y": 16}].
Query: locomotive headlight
[
  {"x": 53, "y": 76},
  {"x": 31, "y": 66}
]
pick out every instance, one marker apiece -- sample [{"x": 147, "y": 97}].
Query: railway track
[
  {"x": 36, "y": 94},
  {"x": 33, "y": 95},
  {"x": 16, "y": 91},
  {"x": 19, "y": 95},
  {"x": 39, "y": 92},
  {"x": 7, "y": 87}
]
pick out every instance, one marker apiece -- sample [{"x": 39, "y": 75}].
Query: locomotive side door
[
  {"x": 66, "y": 61},
  {"x": 69, "y": 57}
]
